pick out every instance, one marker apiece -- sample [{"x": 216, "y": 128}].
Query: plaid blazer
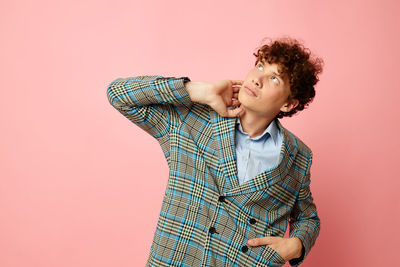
[{"x": 206, "y": 217}]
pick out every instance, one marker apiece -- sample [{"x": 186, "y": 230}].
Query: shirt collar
[{"x": 272, "y": 130}]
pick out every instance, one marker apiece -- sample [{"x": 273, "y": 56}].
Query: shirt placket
[{"x": 246, "y": 158}]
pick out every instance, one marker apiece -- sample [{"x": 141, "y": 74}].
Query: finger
[
  {"x": 236, "y": 89},
  {"x": 235, "y": 102},
  {"x": 237, "y": 82},
  {"x": 267, "y": 240}
]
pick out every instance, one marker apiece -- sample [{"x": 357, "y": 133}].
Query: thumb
[
  {"x": 235, "y": 112},
  {"x": 220, "y": 107}
]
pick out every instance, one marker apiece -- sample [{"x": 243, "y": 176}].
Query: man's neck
[{"x": 254, "y": 125}]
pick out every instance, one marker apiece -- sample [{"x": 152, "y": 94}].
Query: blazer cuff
[
  {"x": 172, "y": 90},
  {"x": 306, "y": 241}
]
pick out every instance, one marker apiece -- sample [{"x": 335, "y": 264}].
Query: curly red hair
[{"x": 297, "y": 63}]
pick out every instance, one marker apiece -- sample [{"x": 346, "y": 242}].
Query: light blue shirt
[{"x": 256, "y": 155}]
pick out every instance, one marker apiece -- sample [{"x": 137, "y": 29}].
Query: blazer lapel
[{"x": 224, "y": 134}]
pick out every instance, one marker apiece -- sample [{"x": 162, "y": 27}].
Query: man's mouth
[{"x": 250, "y": 91}]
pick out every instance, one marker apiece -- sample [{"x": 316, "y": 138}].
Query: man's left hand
[{"x": 287, "y": 248}]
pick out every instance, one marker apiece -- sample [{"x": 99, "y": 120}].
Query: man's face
[{"x": 265, "y": 91}]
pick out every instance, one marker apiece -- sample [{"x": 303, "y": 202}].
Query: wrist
[
  {"x": 297, "y": 247},
  {"x": 198, "y": 91}
]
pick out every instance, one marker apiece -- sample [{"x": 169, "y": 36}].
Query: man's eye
[
  {"x": 259, "y": 66},
  {"x": 275, "y": 79}
]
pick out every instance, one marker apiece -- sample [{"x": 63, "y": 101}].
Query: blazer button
[
  {"x": 212, "y": 230},
  {"x": 221, "y": 198},
  {"x": 245, "y": 249},
  {"x": 253, "y": 221}
]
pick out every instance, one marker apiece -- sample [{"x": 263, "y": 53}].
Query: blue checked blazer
[{"x": 206, "y": 217}]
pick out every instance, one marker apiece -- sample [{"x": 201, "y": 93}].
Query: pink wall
[{"x": 82, "y": 186}]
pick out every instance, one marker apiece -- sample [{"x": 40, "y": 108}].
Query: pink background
[{"x": 82, "y": 186}]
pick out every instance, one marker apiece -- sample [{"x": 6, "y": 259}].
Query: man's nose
[{"x": 257, "y": 81}]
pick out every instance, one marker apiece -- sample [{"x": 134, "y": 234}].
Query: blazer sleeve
[
  {"x": 304, "y": 221},
  {"x": 154, "y": 103}
]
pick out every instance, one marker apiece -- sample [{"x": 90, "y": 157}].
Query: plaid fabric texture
[{"x": 206, "y": 217}]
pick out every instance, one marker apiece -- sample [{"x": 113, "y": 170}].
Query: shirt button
[
  {"x": 221, "y": 198},
  {"x": 244, "y": 157},
  {"x": 212, "y": 230},
  {"x": 252, "y": 221},
  {"x": 247, "y": 141},
  {"x": 245, "y": 249}
]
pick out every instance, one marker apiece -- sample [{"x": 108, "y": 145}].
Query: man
[{"x": 236, "y": 174}]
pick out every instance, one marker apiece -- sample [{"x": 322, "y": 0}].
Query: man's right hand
[{"x": 218, "y": 95}]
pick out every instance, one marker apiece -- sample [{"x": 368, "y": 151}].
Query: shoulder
[
  {"x": 302, "y": 146},
  {"x": 200, "y": 111},
  {"x": 197, "y": 120},
  {"x": 296, "y": 141}
]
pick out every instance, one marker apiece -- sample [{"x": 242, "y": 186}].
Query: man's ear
[{"x": 291, "y": 104}]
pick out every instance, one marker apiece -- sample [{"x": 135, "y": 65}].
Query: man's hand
[
  {"x": 287, "y": 248},
  {"x": 218, "y": 95}
]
